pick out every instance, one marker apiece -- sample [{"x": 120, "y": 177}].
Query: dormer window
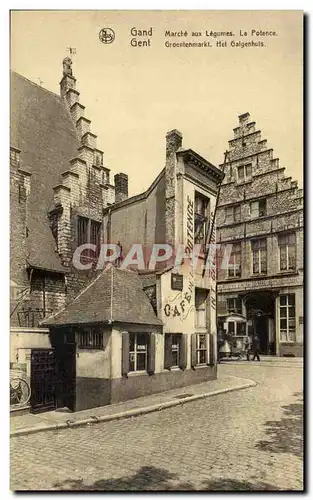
[{"x": 244, "y": 173}]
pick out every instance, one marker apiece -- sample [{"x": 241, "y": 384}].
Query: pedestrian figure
[
  {"x": 247, "y": 348},
  {"x": 256, "y": 348}
]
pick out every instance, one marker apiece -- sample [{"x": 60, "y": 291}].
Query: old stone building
[
  {"x": 59, "y": 186},
  {"x": 260, "y": 214},
  {"x": 89, "y": 337}
]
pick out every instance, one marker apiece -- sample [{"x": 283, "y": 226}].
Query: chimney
[
  {"x": 121, "y": 187},
  {"x": 244, "y": 119},
  {"x": 174, "y": 140},
  {"x": 68, "y": 81}
]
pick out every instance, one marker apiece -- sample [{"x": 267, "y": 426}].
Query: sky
[{"x": 135, "y": 95}]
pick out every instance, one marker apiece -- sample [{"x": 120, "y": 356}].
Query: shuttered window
[
  {"x": 201, "y": 349},
  {"x": 172, "y": 350},
  {"x": 138, "y": 352},
  {"x": 200, "y": 345}
]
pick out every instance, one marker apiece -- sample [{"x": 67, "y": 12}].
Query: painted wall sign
[{"x": 180, "y": 305}]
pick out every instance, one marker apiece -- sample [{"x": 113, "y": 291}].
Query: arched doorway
[{"x": 260, "y": 312}]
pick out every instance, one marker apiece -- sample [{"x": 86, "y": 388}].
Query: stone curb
[
  {"x": 135, "y": 412},
  {"x": 267, "y": 364}
]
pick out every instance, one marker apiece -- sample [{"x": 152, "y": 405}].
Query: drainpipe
[
  {"x": 109, "y": 226},
  {"x": 44, "y": 296}
]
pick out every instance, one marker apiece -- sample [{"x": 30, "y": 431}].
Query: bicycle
[{"x": 19, "y": 391}]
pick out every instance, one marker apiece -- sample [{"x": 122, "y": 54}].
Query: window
[
  {"x": 82, "y": 230},
  {"x": 234, "y": 305},
  {"x": 175, "y": 341},
  {"x": 95, "y": 233},
  {"x": 287, "y": 317},
  {"x": 177, "y": 282},
  {"x": 244, "y": 173},
  {"x": 237, "y": 329},
  {"x": 257, "y": 208},
  {"x": 232, "y": 214},
  {"x": 200, "y": 306},
  {"x": 138, "y": 352},
  {"x": 89, "y": 231},
  {"x": 201, "y": 350},
  {"x": 287, "y": 251},
  {"x": 14, "y": 156},
  {"x": 175, "y": 351},
  {"x": 234, "y": 264},
  {"x": 231, "y": 328},
  {"x": 259, "y": 256},
  {"x": 201, "y": 219},
  {"x": 90, "y": 338}
]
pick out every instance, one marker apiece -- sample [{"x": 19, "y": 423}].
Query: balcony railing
[{"x": 30, "y": 318}]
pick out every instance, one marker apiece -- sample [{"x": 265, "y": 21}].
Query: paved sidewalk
[
  {"x": 278, "y": 361},
  {"x": 53, "y": 420}
]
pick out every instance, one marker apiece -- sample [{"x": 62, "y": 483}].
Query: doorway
[
  {"x": 43, "y": 394},
  {"x": 261, "y": 329},
  {"x": 260, "y": 307},
  {"x": 66, "y": 376}
]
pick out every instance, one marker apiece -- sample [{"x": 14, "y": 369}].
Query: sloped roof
[
  {"x": 43, "y": 130},
  {"x": 116, "y": 295}
]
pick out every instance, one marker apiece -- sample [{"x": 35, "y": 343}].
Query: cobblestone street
[{"x": 245, "y": 440}]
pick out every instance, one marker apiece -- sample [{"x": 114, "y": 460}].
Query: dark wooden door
[
  {"x": 66, "y": 375},
  {"x": 42, "y": 380}
]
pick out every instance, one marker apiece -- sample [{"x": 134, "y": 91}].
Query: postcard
[{"x": 156, "y": 270}]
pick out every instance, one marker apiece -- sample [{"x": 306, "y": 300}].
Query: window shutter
[
  {"x": 193, "y": 350},
  {"x": 183, "y": 352},
  {"x": 125, "y": 353},
  {"x": 167, "y": 351},
  {"x": 211, "y": 349},
  {"x": 151, "y": 354},
  {"x": 207, "y": 346}
]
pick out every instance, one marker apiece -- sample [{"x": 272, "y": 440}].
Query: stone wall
[{"x": 19, "y": 192}]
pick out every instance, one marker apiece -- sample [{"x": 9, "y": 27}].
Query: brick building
[
  {"x": 59, "y": 186},
  {"x": 81, "y": 335},
  {"x": 260, "y": 213}
]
